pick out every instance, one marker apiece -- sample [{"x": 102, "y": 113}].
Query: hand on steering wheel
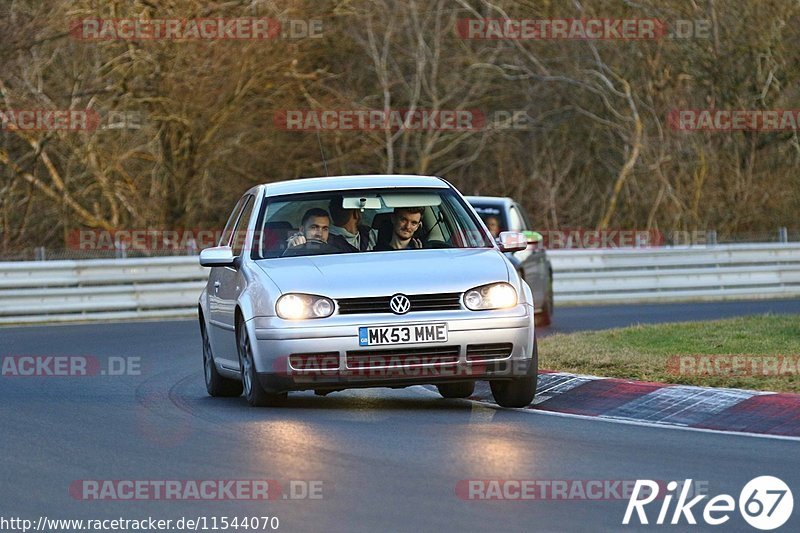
[
  {"x": 298, "y": 239},
  {"x": 298, "y": 245}
]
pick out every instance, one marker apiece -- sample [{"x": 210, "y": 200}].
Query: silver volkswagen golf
[{"x": 332, "y": 283}]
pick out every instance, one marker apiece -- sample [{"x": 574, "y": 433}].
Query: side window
[
  {"x": 525, "y": 220},
  {"x": 515, "y": 221},
  {"x": 226, "y": 233},
  {"x": 240, "y": 233}
]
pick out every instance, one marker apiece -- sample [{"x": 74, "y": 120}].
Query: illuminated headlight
[
  {"x": 300, "y": 306},
  {"x": 493, "y": 296}
]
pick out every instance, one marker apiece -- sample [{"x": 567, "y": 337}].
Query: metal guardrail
[
  {"x": 167, "y": 287},
  {"x": 100, "y": 289},
  {"x": 732, "y": 271}
]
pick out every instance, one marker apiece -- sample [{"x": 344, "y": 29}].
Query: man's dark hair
[
  {"x": 314, "y": 212},
  {"x": 411, "y": 210},
  {"x": 339, "y": 215}
]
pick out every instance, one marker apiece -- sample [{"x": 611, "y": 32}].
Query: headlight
[
  {"x": 300, "y": 306},
  {"x": 492, "y": 296}
]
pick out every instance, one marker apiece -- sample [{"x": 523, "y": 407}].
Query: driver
[
  {"x": 314, "y": 226},
  {"x": 493, "y": 225}
]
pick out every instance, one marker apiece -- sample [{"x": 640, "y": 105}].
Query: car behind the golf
[
  {"x": 531, "y": 263},
  {"x": 319, "y": 319}
]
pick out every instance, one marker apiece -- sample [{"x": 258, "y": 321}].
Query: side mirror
[
  {"x": 512, "y": 241},
  {"x": 218, "y": 256}
]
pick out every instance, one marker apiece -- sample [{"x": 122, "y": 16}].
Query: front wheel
[
  {"x": 518, "y": 392},
  {"x": 216, "y": 385},
  {"x": 253, "y": 391},
  {"x": 456, "y": 390}
]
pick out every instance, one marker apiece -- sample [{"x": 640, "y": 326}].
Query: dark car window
[
  {"x": 487, "y": 210},
  {"x": 526, "y": 221}
]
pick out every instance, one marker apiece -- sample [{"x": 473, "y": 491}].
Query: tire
[
  {"x": 517, "y": 392},
  {"x": 255, "y": 394},
  {"x": 216, "y": 385},
  {"x": 456, "y": 390}
]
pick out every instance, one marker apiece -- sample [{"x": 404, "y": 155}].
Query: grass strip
[{"x": 752, "y": 352}]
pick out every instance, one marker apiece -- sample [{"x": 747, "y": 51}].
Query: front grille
[
  {"x": 419, "y": 302},
  {"x": 402, "y": 357},
  {"x": 485, "y": 352}
]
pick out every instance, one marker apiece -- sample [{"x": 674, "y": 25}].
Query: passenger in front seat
[{"x": 405, "y": 221}]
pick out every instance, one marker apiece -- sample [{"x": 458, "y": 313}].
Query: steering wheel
[{"x": 311, "y": 247}]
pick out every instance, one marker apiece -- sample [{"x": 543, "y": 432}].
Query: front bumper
[{"x": 338, "y": 361}]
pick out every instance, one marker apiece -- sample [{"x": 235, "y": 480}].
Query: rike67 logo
[{"x": 765, "y": 503}]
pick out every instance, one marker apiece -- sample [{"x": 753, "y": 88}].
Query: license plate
[{"x": 375, "y": 336}]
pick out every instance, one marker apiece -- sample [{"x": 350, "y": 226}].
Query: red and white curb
[{"x": 646, "y": 403}]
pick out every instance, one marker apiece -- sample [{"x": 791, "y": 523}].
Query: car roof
[
  {"x": 343, "y": 183},
  {"x": 489, "y": 200}
]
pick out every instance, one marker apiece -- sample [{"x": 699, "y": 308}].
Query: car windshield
[
  {"x": 491, "y": 210},
  {"x": 367, "y": 221}
]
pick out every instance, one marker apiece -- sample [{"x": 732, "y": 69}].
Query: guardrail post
[
  {"x": 39, "y": 253},
  {"x": 783, "y": 234},
  {"x": 711, "y": 237},
  {"x": 121, "y": 250}
]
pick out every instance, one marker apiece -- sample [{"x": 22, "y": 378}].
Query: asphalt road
[
  {"x": 569, "y": 319},
  {"x": 385, "y": 459}
]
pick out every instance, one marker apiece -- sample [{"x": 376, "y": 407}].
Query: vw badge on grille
[{"x": 399, "y": 304}]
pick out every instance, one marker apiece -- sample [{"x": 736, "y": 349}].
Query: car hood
[{"x": 386, "y": 273}]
